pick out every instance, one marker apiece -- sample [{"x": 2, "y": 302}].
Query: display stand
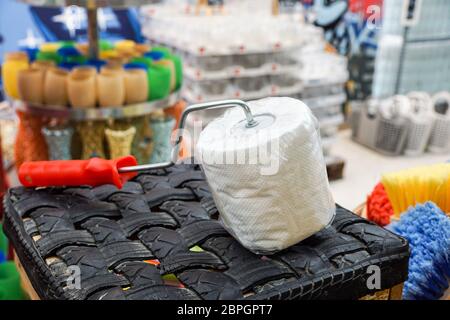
[
  {"x": 94, "y": 118},
  {"x": 93, "y": 114}
]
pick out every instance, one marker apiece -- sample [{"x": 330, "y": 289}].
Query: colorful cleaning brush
[
  {"x": 427, "y": 230},
  {"x": 398, "y": 191}
]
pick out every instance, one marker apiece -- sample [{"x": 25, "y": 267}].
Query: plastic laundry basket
[
  {"x": 391, "y": 136},
  {"x": 392, "y": 127},
  {"x": 440, "y": 134},
  {"x": 369, "y": 121},
  {"x": 420, "y": 123}
]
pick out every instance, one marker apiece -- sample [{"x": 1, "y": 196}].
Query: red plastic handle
[{"x": 92, "y": 172}]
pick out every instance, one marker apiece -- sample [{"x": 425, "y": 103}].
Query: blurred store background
[
  {"x": 113, "y": 80},
  {"x": 375, "y": 73}
]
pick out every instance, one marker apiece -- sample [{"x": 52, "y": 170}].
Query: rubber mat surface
[{"x": 159, "y": 238}]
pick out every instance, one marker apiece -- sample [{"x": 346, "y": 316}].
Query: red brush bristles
[{"x": 379, "y": 208}]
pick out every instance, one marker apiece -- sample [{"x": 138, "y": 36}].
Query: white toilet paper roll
[{"x": 269, "y": 182}]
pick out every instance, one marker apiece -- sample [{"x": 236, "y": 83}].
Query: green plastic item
[
  {"x": 176, "y": 61},
  {"x": 76, "y": 59},
  {"x": 178, "y": 70},
  {"x": 105, "y": 45},
  {"x": 67, "y": 43},
  {"x": 159, "y": 81},
  {"x": 46, "y": 56},
  {"x": 10, "y": 287},
  {"x": 144, "y": 60},
  {"x": 164, "y": 50},
  {"x": 3, "y": 242}
]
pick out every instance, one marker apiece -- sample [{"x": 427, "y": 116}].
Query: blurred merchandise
[
  {"x": 30, "y": 144},
  {"x": 414, "y": 49},
  {"x": 59, "y": 140},
  {"x": 73, "y": 78},
  {"x": 96, "y": 78},
  {"x": 409, "y": 124},
  {"x": 237, "y": 55}
]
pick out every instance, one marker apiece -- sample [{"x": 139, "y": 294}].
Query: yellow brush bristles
[{"x": 417, "y": 185}]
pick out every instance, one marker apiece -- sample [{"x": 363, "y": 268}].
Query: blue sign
[{"x": 23, "y": 26}]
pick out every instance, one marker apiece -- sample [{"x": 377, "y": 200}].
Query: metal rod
[
  {"x": 92, "y": 31},
  {"x": 251, "y": 122}
]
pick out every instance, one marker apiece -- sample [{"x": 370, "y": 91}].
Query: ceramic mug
[
  {"x": 115, "y": 62},
  {"x": 112, "y": 68},
  {"x": 55, "y": 87},
  {"x": 111, "y": 89},
  {"x": 82, "y": 90},
  {"x": 91, "y": 71},
  {"x": 43, "y": 64},
  {"x": 14, "y": 62},
  {"x": 31, "y": 85},
  {"x": 136, "y": 86}
]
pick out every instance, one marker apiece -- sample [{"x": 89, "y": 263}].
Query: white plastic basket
[
  {"x": 392, "y": 127},
  {"x": 420, "y": 123},
  {"x": 368, "y": 119},
  {"x": 440, "y": 134}
]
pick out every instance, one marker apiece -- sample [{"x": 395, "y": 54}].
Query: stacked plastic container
[
  {"x": 323, "y": 76},
  {"x": 234, "y": 56},
  {"x": 237, "y": 55}
]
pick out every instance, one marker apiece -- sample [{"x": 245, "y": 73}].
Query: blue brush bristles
[{"x": 427, "y": 230}]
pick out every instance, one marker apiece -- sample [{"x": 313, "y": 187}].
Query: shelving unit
[
  {"x": 89, "y": 125},
  {"x": 92, "y": 114}
]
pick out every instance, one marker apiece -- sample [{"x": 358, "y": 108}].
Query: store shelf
[
  {"x": 326, "y": 101},
  {"x": 310, "y": 83},
  {"x": 90, "y": 3},
  {"x": 267, "y": 91},
  {"x": 128, "y": 111},
  {"x": 232, "y": 72},
  {"x": 187, "y": 49}
]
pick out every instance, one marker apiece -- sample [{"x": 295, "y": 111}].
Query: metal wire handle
[{"x": 251, "y": 122}]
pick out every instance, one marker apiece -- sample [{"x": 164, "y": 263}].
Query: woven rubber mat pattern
[{"x": 159, "y": 238}]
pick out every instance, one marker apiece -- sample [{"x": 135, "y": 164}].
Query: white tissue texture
[{"x": 270, "y": 202}]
